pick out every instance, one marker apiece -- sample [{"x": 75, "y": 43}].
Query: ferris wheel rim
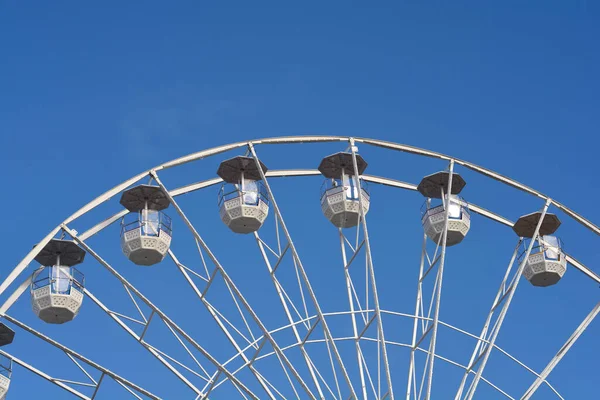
[
  {"x": 291, "y": 140},
  {"x": 448, "y": 360},
  {"x": 299, "y": 139},
  {"x": 324, "y": 139}
]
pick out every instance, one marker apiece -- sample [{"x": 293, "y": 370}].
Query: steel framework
[{"x": 334, "y": 374}]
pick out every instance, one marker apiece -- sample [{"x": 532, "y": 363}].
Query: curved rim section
[
  {"x": 323, "y": 139},
  {"x": 301, "y": 139},
  {"x": 19, "y": 269},
  {"x": 446, "y": 325}
]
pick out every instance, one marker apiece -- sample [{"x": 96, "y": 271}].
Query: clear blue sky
[{"x": 92, "y": 94}]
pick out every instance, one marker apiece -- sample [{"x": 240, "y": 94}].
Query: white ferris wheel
[{"x": 275, "y": 292}]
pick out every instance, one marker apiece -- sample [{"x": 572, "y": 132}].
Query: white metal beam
[
  {"x": 303, "y": 274},
  {"x": 232, "y": 285},
  {"x": 561, "y": 353},
  {"x": 371, "y": 273},
  {"x": 482, "y": 339},
  {"x": 221, "y": 325},
  {"x": 507, "y": 301},
  {"x": 349, "y": 289},
  {"x": 286, "y": 140},
  {"x": 159, "y": 312},
  {"x": 45, "y": 376},
  {"x": 79, "y": 357}
]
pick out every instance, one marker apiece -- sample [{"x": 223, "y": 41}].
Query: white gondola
[
  {"x": 459, "y": 220},
  {"x": 340, "y": 201},
  {"x": 546, "y": 263},
  {"x": 436, "y": 188},
  {"x": 146, "y": 231},
  {"x": 5, "y": 375},
  {"x": 243, "y": 200},
  {"x": 57, "y": 287}
]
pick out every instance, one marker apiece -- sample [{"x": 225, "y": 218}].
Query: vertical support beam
[
  {"x": 438, "y": 294},
  {"x": 505, "y": 306},
  {"x": 280, "y": 294},
  {"x": 326, "y": 331},
  {"x": 371, "y": 272},
  {"x": 363, "y": 384},
  {"x": 561, "y": 353},
  {"x": 429, "y": 325},
  {"x": 481, "y": 341},
  {"x": 417, "y": 320}
]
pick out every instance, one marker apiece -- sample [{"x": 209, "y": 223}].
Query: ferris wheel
[{"x": 154, "y": 290}]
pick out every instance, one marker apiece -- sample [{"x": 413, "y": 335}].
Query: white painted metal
[
  {"x": 485, "y": 353},
  {"x": 27, "y": 260},
  {"x": 159, "y": 313},
  {"x": 221, "y": 370},
  {"x": 429, "y": 327},
  {"x": 23, "y": 364},
  {"x": 360, "y": 313},
  {"x": 285, "y": 140},
  {"x": 482, "y": 339},
  {"x": 304, "y": 276},
  {"x": 561, "y": 353},
  {"x": 368, "y": 178},
  {"x": 438, "y": 294},
  {"x": 386, "y": 182},
  {"x": 349, "y": 288},
  {"x": 412, "y": 379},
  {"x": 371, "y": 272},
  {"x": 223, "y": 273},
  {"x": 225, "y": 330},
  {"x": 15, "y": 296},
  {"x": 284, "y": 303},
  {"x": 75, "y": 355}
]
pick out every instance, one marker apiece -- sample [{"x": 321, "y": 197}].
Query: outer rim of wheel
[{"x": 306, "y": 139}]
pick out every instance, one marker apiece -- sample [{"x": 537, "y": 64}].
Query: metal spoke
[
  {"x": 140, "y": 340},
  {"x": 223, "y": 273},
  {"x": 282, "y": 297},
  {"x": 507, "y": 301},
  {"x": 561, "y": 353},
  {"x": 45, "y": 376},
  {"x": 482, "y": 339},
  {"x": 213, "y": 312},
  {"x": 371, "y": 273},
  {"x": 430, "y": 331},
  {"x": 249, "y": 338},
  {"x": 73, "y": 355},
  {"x": 303, "y": 274},
  {"x": 349, "y": 285},
  {"x": 159, "y": 313}
]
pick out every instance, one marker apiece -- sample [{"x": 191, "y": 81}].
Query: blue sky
[{"x": 91, "y": 95}]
